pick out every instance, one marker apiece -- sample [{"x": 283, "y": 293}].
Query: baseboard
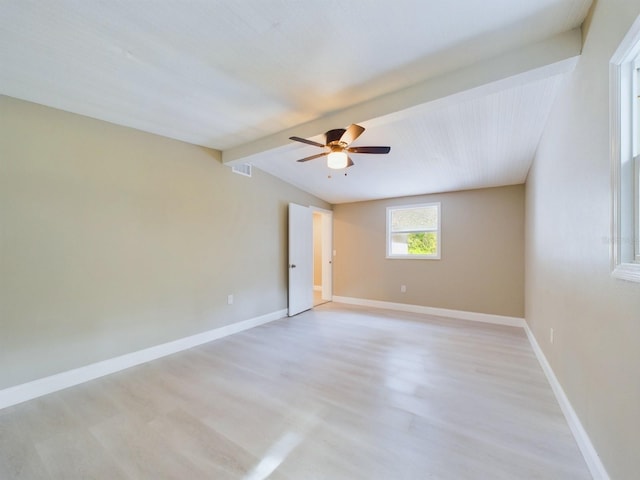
[
  {"x": 589, "y": 453},
  {"x": 43, "y": 386},
  {"x": 440, "y": 312}
]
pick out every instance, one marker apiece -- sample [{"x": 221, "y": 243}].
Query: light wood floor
[
  {"x": 334, "y": 393},
  {"x": 317, "y": 298}
]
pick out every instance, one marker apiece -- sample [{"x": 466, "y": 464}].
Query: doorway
[
  {"x": 302, "y": 295},
  {"x": 322, "y": 256}
]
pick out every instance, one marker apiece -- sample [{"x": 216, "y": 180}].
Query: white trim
[
  {"x": 43, "y": 386},
  {"x": 627, "y": 271},
  {"x": 320, "y": 210},
  {"x": 441, "y": 312},
  {"x": 579, "y": 433}
]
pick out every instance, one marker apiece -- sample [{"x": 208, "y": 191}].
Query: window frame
[
  {"x": 437, "y": 230},
  {"x": 625, "y": 150}
]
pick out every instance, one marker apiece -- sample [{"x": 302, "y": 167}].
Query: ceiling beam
[{"x": 556, "y": 55}]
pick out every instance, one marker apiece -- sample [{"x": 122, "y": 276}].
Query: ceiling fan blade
[
  {"x": 306, "y": 159},
  {"x": 369, "y": 149},
  {"x": 308, "y": 142},
  {"x": 349, "y": 162},
  {"x": 353, "y": 132},
  {"x": 334, "y": 135}
]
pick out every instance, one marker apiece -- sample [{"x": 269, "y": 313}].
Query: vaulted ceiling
[{"x": 460, "y": 90}]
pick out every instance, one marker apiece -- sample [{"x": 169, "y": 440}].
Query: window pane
[
  {"x": 399, "y": 244},
  {"x": 421, "y": 218},
  {"x": 422, "y": 243}
]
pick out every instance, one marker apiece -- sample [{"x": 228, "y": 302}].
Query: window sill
[
  {"x": 413, "y": 257},
  {"x": 627, "y": 271}
]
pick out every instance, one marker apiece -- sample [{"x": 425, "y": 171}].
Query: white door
[{"x": 300, "y": 259}]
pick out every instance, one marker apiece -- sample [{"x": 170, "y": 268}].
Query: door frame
[{"x": 327, "y": 251}]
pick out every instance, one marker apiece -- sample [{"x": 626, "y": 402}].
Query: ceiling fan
[{"x": 337, "y": 142}]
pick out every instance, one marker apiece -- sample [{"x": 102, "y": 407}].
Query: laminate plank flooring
[
  {"x": 339, "y": 392},
  {"x": 317, "y": 298}
]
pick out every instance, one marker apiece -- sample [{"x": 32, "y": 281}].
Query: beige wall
[
  {"x": 481, "y": 269},
  {"x": 596, "y": 319},
  {"x": 113, "y": 240}
]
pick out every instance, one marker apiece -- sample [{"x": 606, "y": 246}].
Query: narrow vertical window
[
  {"x": 624, "y": 75},
  {"x": 636, "y": 157}
]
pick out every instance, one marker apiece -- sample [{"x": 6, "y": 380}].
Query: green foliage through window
[{"x": 422, "y": 243}]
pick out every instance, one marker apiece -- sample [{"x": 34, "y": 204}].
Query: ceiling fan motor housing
[{"x": 334, "y": 136}]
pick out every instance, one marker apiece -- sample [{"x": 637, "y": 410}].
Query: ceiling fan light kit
[
  {"x": 337, "y": 159},
  {"x": 337, "y": 141}
]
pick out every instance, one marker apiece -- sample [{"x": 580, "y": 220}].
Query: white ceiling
[{"x": 460, "y": 89}]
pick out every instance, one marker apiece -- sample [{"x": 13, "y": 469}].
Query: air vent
[{"x": 242, "y": 169}]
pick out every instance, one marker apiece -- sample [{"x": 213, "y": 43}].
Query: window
[
  {"x": 637, "y": 208},
  {"x": 636, "y": 155},
  {"x": 625, "y": 156},
  {"x": 413, "y": 231}
]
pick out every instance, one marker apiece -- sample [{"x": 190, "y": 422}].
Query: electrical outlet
[
  {"x": 230, "y": 299},
  {"x": 551, "y": 335},
  {"x": 403, "y": 289}
]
